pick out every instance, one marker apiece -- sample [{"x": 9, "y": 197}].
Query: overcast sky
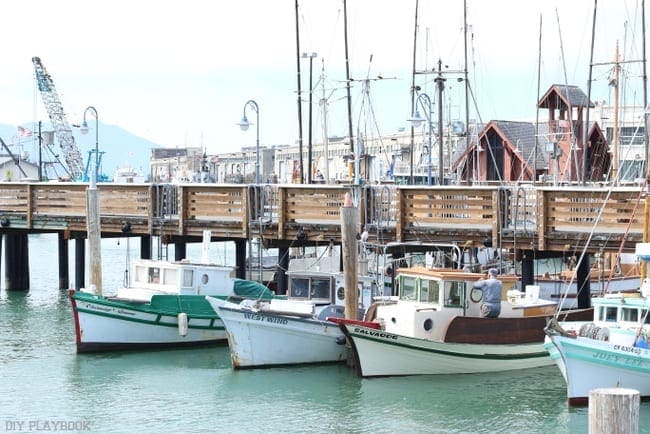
[{"x": 179, "y": 72}]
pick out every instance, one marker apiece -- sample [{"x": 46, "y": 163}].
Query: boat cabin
[
  {"x": 150, "y": 277},
  {"x": 428, "y": 299},
  {"x": 324, "y": 287}
]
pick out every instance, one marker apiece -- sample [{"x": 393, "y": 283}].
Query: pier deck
[{"x": 520, "y": 217}]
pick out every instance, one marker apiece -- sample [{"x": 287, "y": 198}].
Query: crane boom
[{"x": 54, "y": 108}]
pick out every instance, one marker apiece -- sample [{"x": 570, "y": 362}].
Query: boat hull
[
  {"x": 588, "y": 364},
  {"x": 102, "y": 324},
  {"x": 259, "y": 339},
  {"x": 381, "y": 353}
]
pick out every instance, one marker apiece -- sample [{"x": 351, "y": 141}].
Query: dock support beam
[
  {"x": 79, "y": 263},
  {"x": 283, "y": 265},
  {"x": 145, "y": 247},
  {"x": 180, "y": 250},
  {"x": 582, "y": 282},
  {"x": 240, "y": 258},
  {"x": 16, "y": 262},
  {"x": 64, "y": 276},
  {"x": 527, "y": 269}
]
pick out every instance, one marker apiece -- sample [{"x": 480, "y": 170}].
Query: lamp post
[
  {"x": 416, "y": 120},
  {"x": 311, "y": 91},
  {"x": 84, "y": 130},
  {"x": 244, "y": 124}
]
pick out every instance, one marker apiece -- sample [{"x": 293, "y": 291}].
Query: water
[{"x": 45, "y": 382}]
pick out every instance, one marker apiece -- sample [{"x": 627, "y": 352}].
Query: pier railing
[{"x": 546, "y": 218}]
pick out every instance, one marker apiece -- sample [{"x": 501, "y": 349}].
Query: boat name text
[
  {"x": 623, "y": 360},
  {"x": 375, "y": 334},
  {"x": 258, "y": 317}
]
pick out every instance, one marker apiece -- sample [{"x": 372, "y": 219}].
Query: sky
[{"x": 180, "y": 73}]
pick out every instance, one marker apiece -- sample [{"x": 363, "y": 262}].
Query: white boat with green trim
[
  {"x": 611, "y": 349},
  {"x": 435, "y": 326},
  {"x": 164, "y": 306}
]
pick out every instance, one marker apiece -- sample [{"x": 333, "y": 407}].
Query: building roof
[
  {"x": 521, "y": 136},
  {"x": 569, "y": 96}
]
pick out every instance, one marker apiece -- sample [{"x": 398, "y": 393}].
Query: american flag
[{"x": 24, "y": 132}]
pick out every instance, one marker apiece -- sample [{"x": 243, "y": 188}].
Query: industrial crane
[{"x": 72, "y": 156}]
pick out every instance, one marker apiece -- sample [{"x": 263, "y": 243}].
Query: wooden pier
[{"x": 518, "y": 217}]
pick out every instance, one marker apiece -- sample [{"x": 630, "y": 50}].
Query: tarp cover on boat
[{"x": 250, "y": 289}]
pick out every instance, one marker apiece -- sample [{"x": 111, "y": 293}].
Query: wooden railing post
[
  {"x": 542, "y": 204},
  {"x": 282, "y": 210}
]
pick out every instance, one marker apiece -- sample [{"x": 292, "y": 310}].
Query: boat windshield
[
  {"x": 454, "y": 294},
  {"x": 407, "y": 288},
  {"x": 429, "y": 291}
]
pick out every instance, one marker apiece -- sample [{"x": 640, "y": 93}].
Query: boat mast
[
  {"x": 615, "y": 133},
  {"x": 299, "y": 93},
  {"x": 539, "y": 68},
  {"x": 325, "y": 137},
  {"x": 645, "y": 91},
  {"x": 347, "y": 80},
  {"x": 415, "y": 37},
  {"x": 585, "y": 127},
  {"x": 466, "y": 90}
]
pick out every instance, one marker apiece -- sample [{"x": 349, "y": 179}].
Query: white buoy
[{"x": 182, "y": 324}]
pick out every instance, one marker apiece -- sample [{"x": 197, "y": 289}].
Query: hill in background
[{"x": 120, "y": 147}]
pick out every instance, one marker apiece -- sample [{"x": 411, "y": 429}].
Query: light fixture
[
  {"x": 244, "y": 124},
  {"x": 416, "y": 120}
]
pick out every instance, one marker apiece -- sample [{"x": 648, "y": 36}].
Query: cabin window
[
  {"x": 154, "y": 275},
  {"x": 320, "y": 288},
  {"x": 628, "y": 314},
  {"x": 429, "y": 291},
  {"x": 407, "y": 288},
  {"x": 610, "y": 314},
  {"x": 454, "y": 294},
  {"x": 188, "y": 278},
  {"x": 169, "y": 277},
  {"x": 644, "y": 315},
  {"x": 299, "y": 287}
]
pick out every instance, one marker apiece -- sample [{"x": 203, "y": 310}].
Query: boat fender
[
  {"x": 340, "y": 340},
  {"x": 182, "y": 324},
  {"x": 427, "y": 325}
]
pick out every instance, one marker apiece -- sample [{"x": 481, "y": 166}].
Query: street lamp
[
  {"x": 416, "y": 120},
  {"x": 84, "y": 130},
  {"x": 244, "y": 124}
]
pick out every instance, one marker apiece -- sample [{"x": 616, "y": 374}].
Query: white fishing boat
[
  {"x": 292, "y": 331},
  {"x": 435, "y": 326},
  {"x": 562, "y": 286},
  {"x": 611, "y": 350},
  {"x": 163, "y": 306},
  {"x": 304, "y": 328}
]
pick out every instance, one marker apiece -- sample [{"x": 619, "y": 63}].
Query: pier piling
[
  {"x": 614, "y": 410},
  {"x": 16, "y": 262},
  {"x": 79, "y": 263},
  {"x": 64, "y": 276}
]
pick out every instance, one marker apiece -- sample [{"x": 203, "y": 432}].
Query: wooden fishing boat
[{"x": 435, "y": 326}]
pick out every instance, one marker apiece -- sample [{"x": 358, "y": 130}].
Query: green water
[{"x": 44, "y": 383}]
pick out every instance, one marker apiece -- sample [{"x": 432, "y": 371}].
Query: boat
[
  {"x": 611, "y": 349},
  {"x": 305, "y": 327},
  {"x": 434, "y": 326},
  {"x": 292, "y": 331},
  {"x": 562, "y": 285},
  {"x": 163, "y": 307}
]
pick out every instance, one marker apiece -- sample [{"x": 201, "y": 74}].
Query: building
[{"x": 17, "y": 169}]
